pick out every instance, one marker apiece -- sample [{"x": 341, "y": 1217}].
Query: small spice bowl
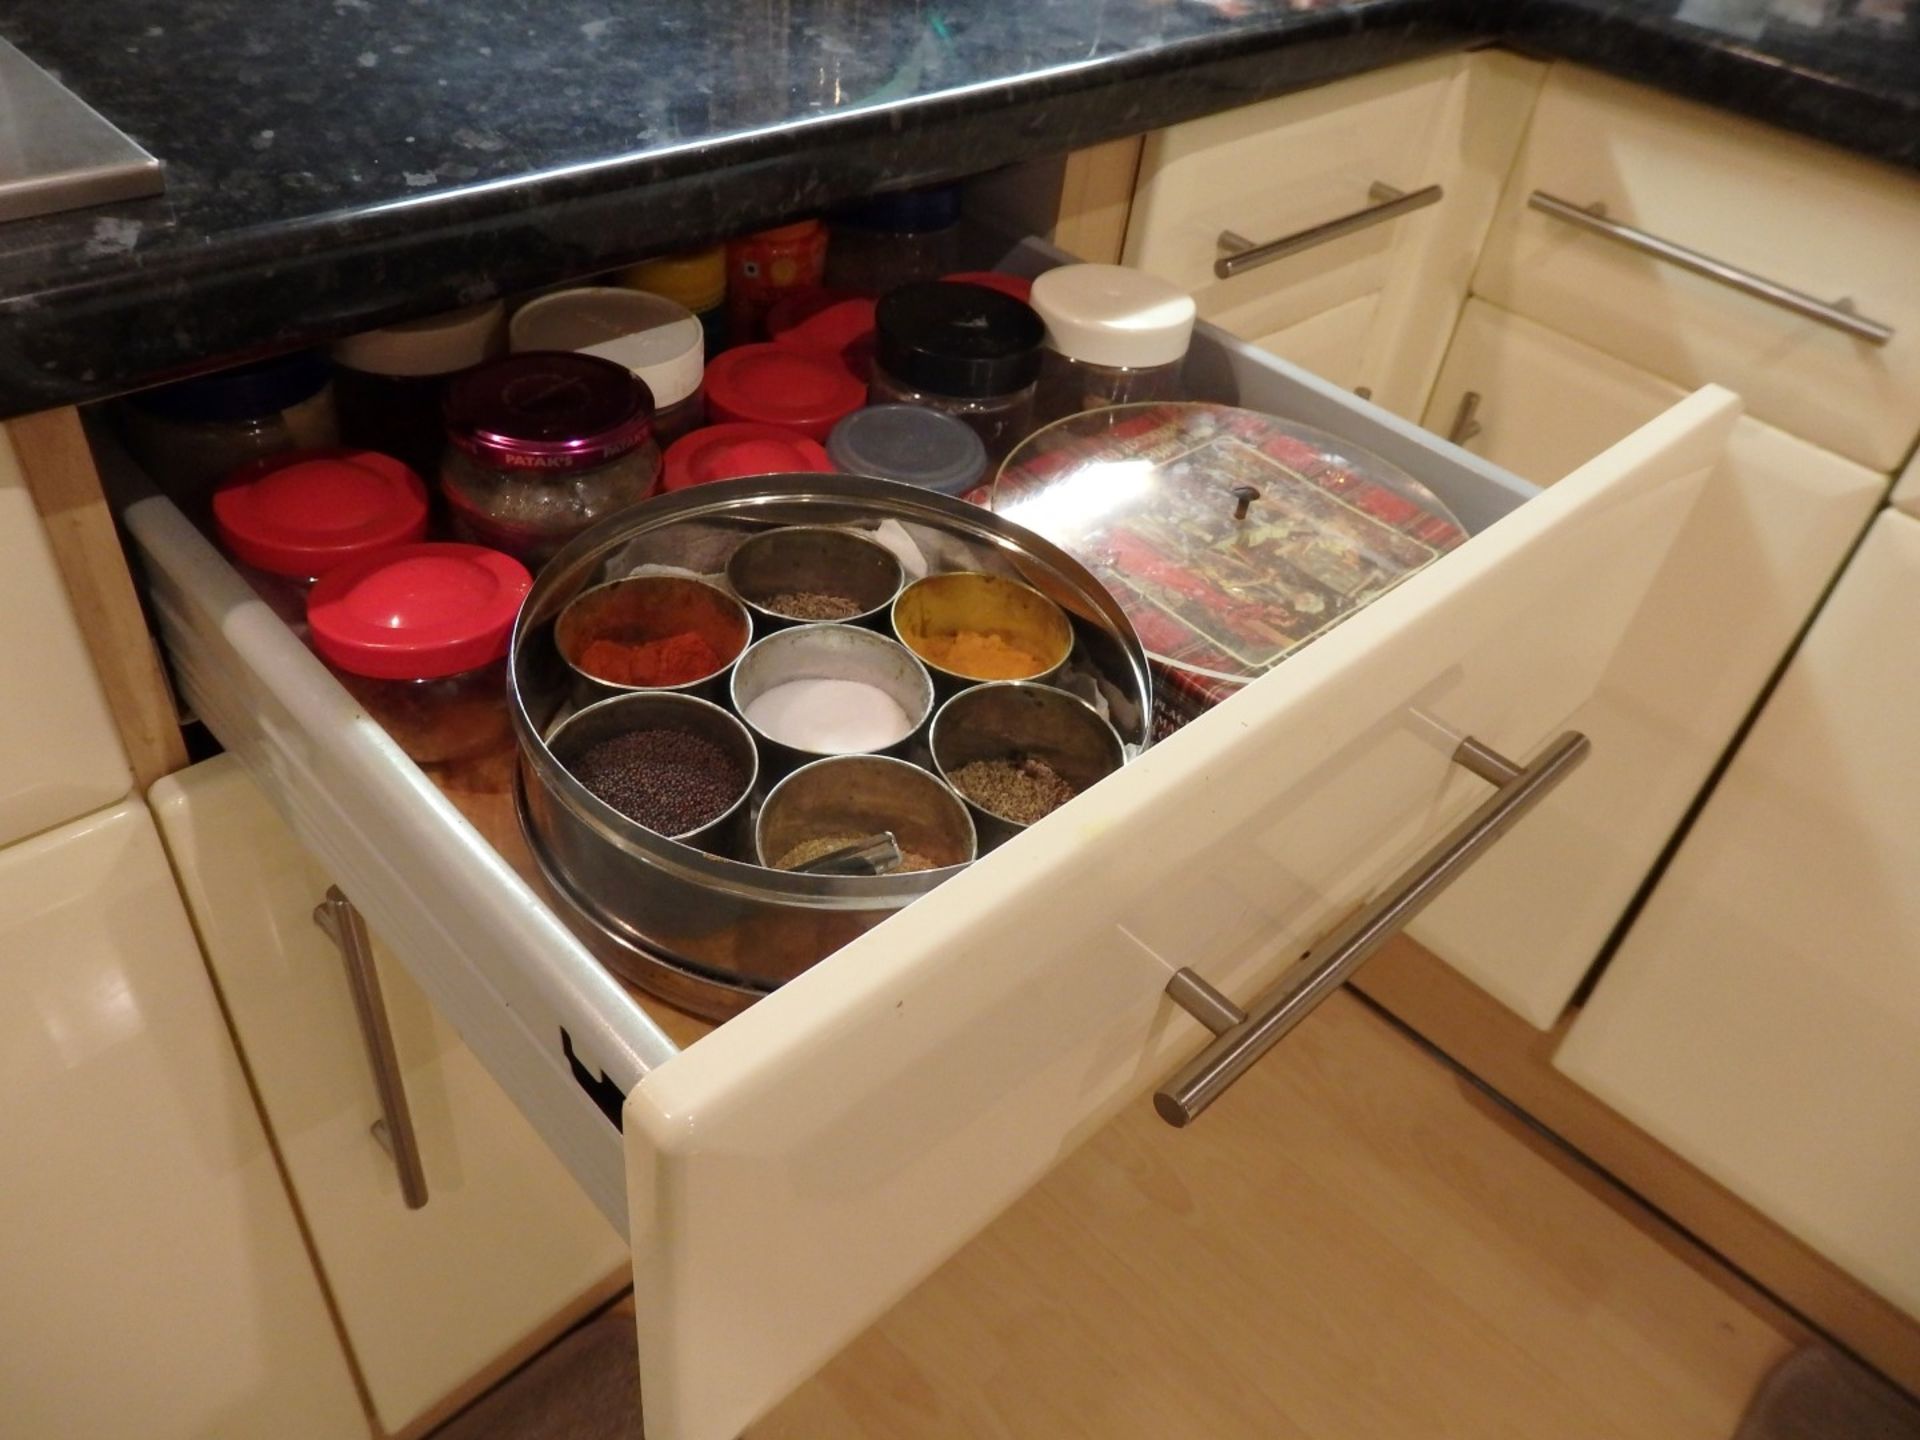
[
  {"x": 818, "y": 563},
  {"x": 674, "y": 611},
  {"x": 849, "y": 797},
  {"x": 655, "y": 711},
  {"x": 1015, "y": 721},
  {"x": 987, "y": 617},
  {"x": 805, "y": 723}
]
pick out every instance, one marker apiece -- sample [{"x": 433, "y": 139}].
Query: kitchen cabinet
[
  {"x": 1762, "y": 1016},
  {"x": 1271, "y": 170},
  {"x": 787, "y": 1177},
  {"x": 505, "y": 1248},
  {"x": 155, "y": 1275},
  {"x": 60, "y": 754}
]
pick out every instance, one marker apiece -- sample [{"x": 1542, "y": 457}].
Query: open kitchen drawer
[{"x": 789, "y": 1175}]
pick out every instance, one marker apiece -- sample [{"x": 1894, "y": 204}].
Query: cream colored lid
[
  {"x": 1114, "y": 315},
  {"x": 658, "y": 340},
  {"x": 432, "y": 345}
]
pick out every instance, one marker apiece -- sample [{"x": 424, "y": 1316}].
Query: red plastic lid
[
  {"x": 418, "y": 612},
  {"x": 304, "y": 512},
  {"x": 831, "y": 323},
  {"x": 779, "y": 385},
  {"x": 1019, "y": 287},
  {"x": 727, "y": 452}
]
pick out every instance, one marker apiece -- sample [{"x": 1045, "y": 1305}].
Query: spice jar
[
  {"x": 659, "y": 341},
  {"x": 290, "y": 518},
  {"x": 964, "y": 349},
  {"x": 908, "y": 443},
  {"x": 189, "y": 435},
  {"x": 728, "y": 452},
  {"x": 418, "y": 634},
  {"x": 764, "y": 266},
  {"x": 696, "y": 279},
  {"x": 390, "y": 384},
  {"x": 827, "y": 322},
  {"x": 802, "y": 390},
  {"x": 895, "y": 239},
  {"x": 542, "y": 445},
  {"x": 1115, "y": 336}
]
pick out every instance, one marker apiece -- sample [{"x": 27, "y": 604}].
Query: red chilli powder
[{"x": 671, "y": 660}]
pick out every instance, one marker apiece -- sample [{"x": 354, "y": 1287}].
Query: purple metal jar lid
[{"x": 549, "y": 410}]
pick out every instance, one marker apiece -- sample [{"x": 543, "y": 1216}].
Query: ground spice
[
  {"x": 981, "y": 655},
  {"x": 670, "y": 781},
  {"x": 811, "y": 605},
  {"x": 808, "y": 851},
  {"x": 671, "y": 660},
  {"x": 1018, "y": 790}
]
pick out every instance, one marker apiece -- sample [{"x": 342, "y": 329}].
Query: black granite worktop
[{"x": 338, "y": 164}]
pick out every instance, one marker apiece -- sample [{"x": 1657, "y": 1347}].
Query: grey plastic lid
[{"x": 921, "y": 447}]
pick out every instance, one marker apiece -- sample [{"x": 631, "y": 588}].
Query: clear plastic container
[
  {"x": 543, "y": 445},
  {"x": 895, "y": 239},
  {"x": 419, "y": 635},
  {"x": 659, "y": 340},
  {"x": 1115, "y": 336},
  {"x": 971, "y": 352},
  {"x": 911, "y": 444},
  {"x": 190, "y": 435},
  {"x": 390, "y": 384}
]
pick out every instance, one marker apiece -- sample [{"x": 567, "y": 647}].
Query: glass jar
[
  {"x": 188, "y": 436},
  {"x": 913, "y": 445},
  {"x": 767, "y": 265},
  {"x": 391, "y": 384},
  {"x": 1115, "y": 336},
  {"x": 895, "y": 239},
  {"x": 289, "y": 519},
  {"x": 658, "y": 340},
  {"x": 696, "y": 279},
  {"x": 963, "y": 349},
  {"x": 419, "y": 636},
  {"x": 802, "y": 390},
  {"x": 542, "y": 445}
]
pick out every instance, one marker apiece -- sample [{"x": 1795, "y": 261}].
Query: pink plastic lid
[
  {"x": 778, "y": 385},
  {"x": 418, "y": 612},
  {"x": 1018, "y": 286},
  {"x": 302, "y": 513},
  {"x": 727, "y": 452}
]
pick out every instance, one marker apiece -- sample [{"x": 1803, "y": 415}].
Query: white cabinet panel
[
  {"x": 1332, "y": 344},
  {"x": 1286, "y": 165},
  {"x": 1795, "y": 212},
  {"x": 154, "y": 1278},
  {"x": 60, "y": 754},
  {"x": 1906, "y": 490},
  {"x": 506, "y": 1240},
  {"x": 1762, "y": 1017}
]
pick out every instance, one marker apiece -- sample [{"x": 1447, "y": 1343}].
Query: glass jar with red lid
[
  {"x": 418, "y": 634},
  {"x": 798, "y": 389},
  {"x": 542, "y": 445},
  {"x": 290, "y": 518}
]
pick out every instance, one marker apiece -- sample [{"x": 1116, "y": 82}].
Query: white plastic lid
[
  {"x": 432, "y": 345},
  {"x": 1114, "y": 315},
  {"x": 658, "y": 340}
]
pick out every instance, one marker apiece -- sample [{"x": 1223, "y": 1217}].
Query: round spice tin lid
[
  {"x": 658, "y": 339},
  {"x": 548, "y": 410},
  {"x": 432, "y": 345},
  {"x": 1114, "y": 315},
  {"x": 730, "y": 451},
  {"x": 957, "y": 339},
  {"x": 418, "y": 612},
  {"x": 778, "y": 385},
  {"x": 909, "y": 443},
  {"x": 304, "y": 512}
]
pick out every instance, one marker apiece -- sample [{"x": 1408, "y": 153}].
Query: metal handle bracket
[
  {"x": 1243, "y": 254},
  {"x": 1242, "y": 1036},
  {"x": 393, "y": 1131}
]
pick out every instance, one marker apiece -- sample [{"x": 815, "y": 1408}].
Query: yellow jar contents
[{"x": 981, "y": 655}]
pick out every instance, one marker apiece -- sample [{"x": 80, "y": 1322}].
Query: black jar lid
[{"x": 956, "y": 339}]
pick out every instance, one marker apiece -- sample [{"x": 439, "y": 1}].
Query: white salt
[{"x": 830, "y": 717}]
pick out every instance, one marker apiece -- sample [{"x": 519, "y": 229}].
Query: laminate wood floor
[{"x": 1352, "y": 1245}]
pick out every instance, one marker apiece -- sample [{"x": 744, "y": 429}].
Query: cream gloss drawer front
[
  {"x": 435, "y": 1280},
  {"x": 1754, "y": 204},
  {"x": 1762, "y": 1017},
  {"x": 791, "y": 1174},
  {"x": 60, "y": 754}
]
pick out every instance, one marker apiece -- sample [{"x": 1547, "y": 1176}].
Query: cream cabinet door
[
  {"x": 60, "y": 754},
  {"x": 153, "y": 1275},
  {"x": 1286, "y": 165},
  {"x": 1762, "y": 1017},
  {"x": 1830, "y": 225},
  {"x": 506, "y": 1244}
]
